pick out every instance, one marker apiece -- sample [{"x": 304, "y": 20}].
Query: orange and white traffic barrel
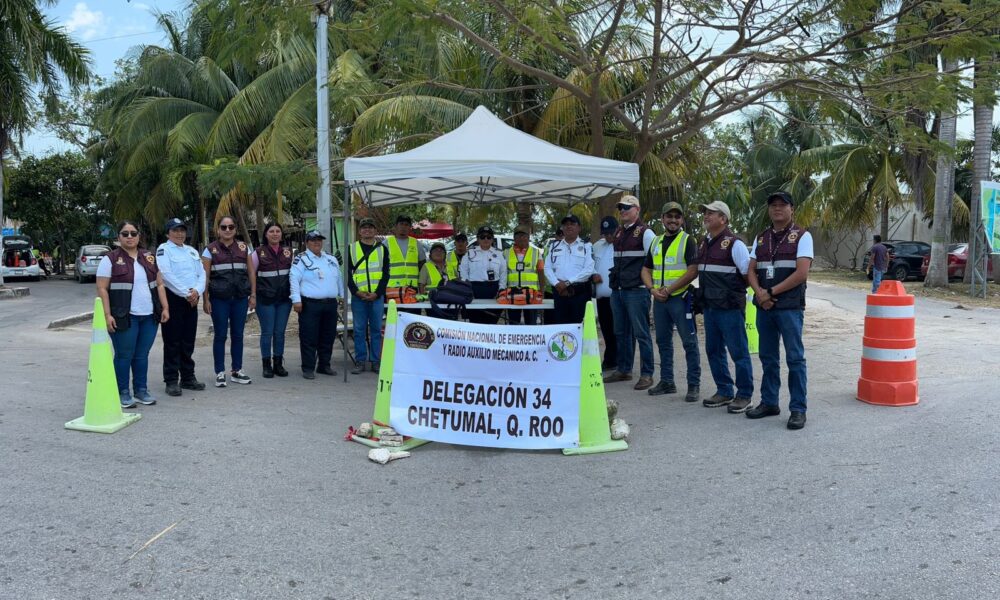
[{"x": 889, "y": 352}]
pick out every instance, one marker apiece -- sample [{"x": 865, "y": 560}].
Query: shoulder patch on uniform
[
  {"x": 287, "y": 252},
  {"x": 151, "y": 259},
  {"x": 296, "y": 261},
  {"x": 725, "y": 243},
  {"x": 213, "y": 249},
  {"x": 241, "y": 246},
  {"x": 793, "y": 236},
  {"x": 159, "y": 251}
]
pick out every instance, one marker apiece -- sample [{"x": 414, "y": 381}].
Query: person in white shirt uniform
[
  {"x": 316, "y": 285},
  {"x": 484, "y": 267},
  {"x": 184, "y": 277},
  {"x": 569, "y": 266},
  {"x": 604, "y": 258}
]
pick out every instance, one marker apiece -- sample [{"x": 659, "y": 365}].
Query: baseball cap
[
  {"x": 366, "y": 222},
  {"x": 783, "y": 196},
  {"x": 404, "y": 219},
  {"x": 518, "y": 232},
  {"x": 484, "y": 230},
  {"x": 175, "y": 223},
  {"x": 630, "y": 200},
  {"x": 435, "y": 246},
  {"x": 718, "y": 206},
  {"x": 609, "y": 225},
  {"x": 315, "y": 235},
  {"x": 461, "y": 238},
  {"x": 669, "y": 206},
  {"x": 570, "y": 219}
]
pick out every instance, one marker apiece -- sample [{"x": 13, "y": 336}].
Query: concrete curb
[
  {"x": 67, "y": 321},
  {"x": 9, "y": 293}
]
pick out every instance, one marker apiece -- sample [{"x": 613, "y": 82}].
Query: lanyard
[{"x": 774, "y": 247}]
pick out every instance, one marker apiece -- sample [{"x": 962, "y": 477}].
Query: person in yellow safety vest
[
  {"x": 368, "y": 264},
  {"x": 669, "y": 268},
  {"x": 455, "y": 258},
  {"x": 434, "y": 272},
  {"x": 405, "y": 255},
  {"x": 525, "y": 269}
]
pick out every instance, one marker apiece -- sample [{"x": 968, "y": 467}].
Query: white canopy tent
[{"x": 483, "y": 161}]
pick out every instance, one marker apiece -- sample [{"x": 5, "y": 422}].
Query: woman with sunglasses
[
  {"x": 484, "y": 267},
  {"x": 272, "y": 263},
  {"x": 231, "y": 291},
  {"x": 135, "y": 302}
]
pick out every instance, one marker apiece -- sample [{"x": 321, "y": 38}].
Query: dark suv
[{"x": 904, "y": 259}]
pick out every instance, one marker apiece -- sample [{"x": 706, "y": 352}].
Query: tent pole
[{"x": 347, "y": 258}]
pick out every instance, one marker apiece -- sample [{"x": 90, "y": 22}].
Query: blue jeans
[
  {"x": 725, "y": 329},
  {"x": 876, "y": 279},
  {"x": 132, "y": 352},
  {"x": 367, "y": 318},
  {"x": 228, "y": 316},
  {"x": 667, "y": 315},
  {"x": 630, "y": 309},
  {"x": 787, "y": 325},
  {"x": 273, "y": 320}
]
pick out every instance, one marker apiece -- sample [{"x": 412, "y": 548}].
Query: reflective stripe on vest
[
  {"x": 672, "y": 257},
  {"x": 277, "y": 273},
  {"x": 403, "y": 271},
  {"x": 120, "y": 286},
  {"x": 529, "y": 276},
  {"x": 228, "y": 266},
  {"x": 717, "y": 269},
  {"x": 367, "y": 274}
]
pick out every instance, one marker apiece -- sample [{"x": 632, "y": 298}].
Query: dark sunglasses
[
  {"x": 128, "y": 233},
  {"x": 624, "y": 207},
  {"x": 227, "y": 227}
]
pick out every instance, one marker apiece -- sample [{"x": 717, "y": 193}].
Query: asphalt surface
[{"x": 263, "y": 499}]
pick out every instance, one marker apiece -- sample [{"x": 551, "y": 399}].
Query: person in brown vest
[
  {"x": 629, "y": 298},
  {"x": 135, "y": 302},
  {"x": 723, "y": 260},
  {"x": 779, "y": 267},
  {"x": 231, "y": 291},
  {"x": 272, "y": 263}
]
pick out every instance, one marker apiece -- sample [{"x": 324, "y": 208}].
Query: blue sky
[{"x": 109, "y": 28}]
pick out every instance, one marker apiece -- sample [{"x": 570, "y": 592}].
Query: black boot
[
  {"x": 279, "y": 369},
  {"x": 268, "y": 372}
]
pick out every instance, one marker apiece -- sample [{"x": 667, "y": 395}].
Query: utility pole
[{"x": 323, "y": 123}]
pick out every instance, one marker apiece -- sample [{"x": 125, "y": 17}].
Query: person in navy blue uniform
[{"x": 316, "y": 285}]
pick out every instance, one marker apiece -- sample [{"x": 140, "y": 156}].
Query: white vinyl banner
[{"x": 486, "y": 385}]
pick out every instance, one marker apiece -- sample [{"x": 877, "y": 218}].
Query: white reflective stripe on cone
[
  {"x": 890, "y": 312},
  {"x": 100, "y": 336},
  {"x": 889, "y": 354},
  {"x": 390, "y": 331},
  {"x": 591, "y": 348}
]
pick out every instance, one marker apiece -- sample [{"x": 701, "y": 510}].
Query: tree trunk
[
  {"x": 982, "y": 116},
  {"x": 884, "y": 227},
  {"x": 1, "y": 205},
  {"x": 524, "y": 220},
  {"x": 937, "y": 271}
]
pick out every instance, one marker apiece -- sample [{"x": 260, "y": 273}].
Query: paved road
[
  {"x": 266, "y": 501},
  {"x": 49, "y": 300}
]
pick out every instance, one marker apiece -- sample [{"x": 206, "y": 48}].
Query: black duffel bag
[{"x": 454, "y": 295}]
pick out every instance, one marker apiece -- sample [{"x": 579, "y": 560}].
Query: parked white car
[{"x": 18, "y": 260}]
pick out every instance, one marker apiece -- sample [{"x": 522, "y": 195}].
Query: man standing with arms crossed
[
  {"x": 779, "y": 267},
  {"x": 670, "y": 267},
  {"x": 723, "y": 260},
  {"x": 184, "y": 278},
  {"x": 629, "y": 298}
]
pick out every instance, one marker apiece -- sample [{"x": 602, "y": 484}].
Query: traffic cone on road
[
  {"x": 595, "y": 430},
  {"x": 889, "y": 350},
  {"x": 102, "y": 409}
]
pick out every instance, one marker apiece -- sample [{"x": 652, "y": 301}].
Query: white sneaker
[
  {"x": 220, "y": 379},
  {"x": 240, "y": 377}
]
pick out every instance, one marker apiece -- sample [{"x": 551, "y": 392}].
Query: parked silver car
[{"x": 87, "y": 260}]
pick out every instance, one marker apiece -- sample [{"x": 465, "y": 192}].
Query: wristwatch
[{"x": 770, "y": 292}]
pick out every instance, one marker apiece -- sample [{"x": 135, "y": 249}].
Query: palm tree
[
  {"x": 983, "y": 99},
  {"x": 33, "y": 53},
  {"x": 937, "y": 271}
]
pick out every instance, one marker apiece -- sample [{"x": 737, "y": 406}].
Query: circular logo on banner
[
  {"x": 418, "y": 335},
  {"x": 563, "y": 346}
]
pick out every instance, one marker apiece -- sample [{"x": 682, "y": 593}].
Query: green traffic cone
[
  {"x": 102, "y": 409},
  {"x": 753, "y": 341},
  {"x": 595, "y": 430}
]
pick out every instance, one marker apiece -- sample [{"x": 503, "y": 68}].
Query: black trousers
[
  {"x": 517, "y": 316},
  {"x": 571, "y": 309},
  {"x": 178, "y": 339},
  {"x": 484, "y": 290},
  {"x": 607, "y": 322},
  {"x": 317, "y": 330}
]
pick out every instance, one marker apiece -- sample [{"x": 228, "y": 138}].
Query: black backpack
[{"x": 453, "y": 294}]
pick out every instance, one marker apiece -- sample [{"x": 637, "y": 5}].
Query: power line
[{"x": 127, "y": 35}]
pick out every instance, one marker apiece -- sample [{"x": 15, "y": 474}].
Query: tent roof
[{"x": 484, "y": 160}]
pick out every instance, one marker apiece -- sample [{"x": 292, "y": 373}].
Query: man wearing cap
[
  {"x": 569, "y": 266},
  {"x": 604, "y": 258},
  {"x": 779, "y": 267},
  {"x": 368, "y": 276},
  {"x": 629, "y": 298},
  {"x": 525, "y": 269},
  {"x": 455, "y": 258},
  {"x": 723, "y": 260},
  {"x": 405, "y": 255},
  {"x": 484, "y": 267},
  {"x": 670, "y": 267},
  {"x": 316, "y": 285},
  {"x": 184, "y": 278}
]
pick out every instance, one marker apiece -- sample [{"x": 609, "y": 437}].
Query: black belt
[{"x": 320, "y": 300}]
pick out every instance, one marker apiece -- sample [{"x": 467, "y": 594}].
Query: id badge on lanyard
[{"x": 769, "y": 272}]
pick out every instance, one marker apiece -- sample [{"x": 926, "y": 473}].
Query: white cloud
[
  {"x": 141, "y": 6},
  {"x": 88, "y": 24}
]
